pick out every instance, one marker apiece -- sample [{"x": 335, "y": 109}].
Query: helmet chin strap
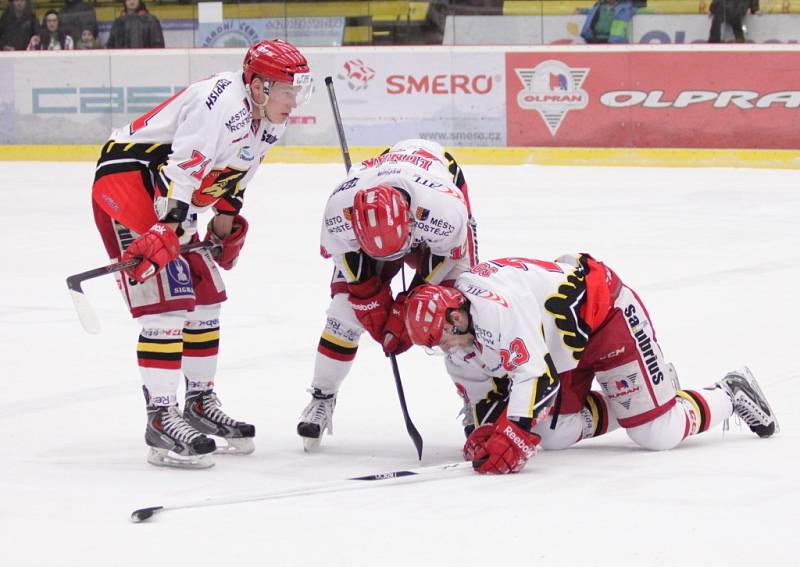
[{"x": 262, "y": 108}]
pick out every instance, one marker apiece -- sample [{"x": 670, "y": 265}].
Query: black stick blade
[{"x": 143, "y": 514}]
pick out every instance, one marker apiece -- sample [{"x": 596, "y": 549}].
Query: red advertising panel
[{"x": 681, "y": 99}]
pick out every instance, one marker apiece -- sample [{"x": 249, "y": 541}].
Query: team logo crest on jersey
[
  {"x": 552, "y": 89},
  {"x": 422, "y": 214}
]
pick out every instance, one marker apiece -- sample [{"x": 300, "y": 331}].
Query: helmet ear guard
[
  {"x": 382, "y": 222},
  {"x": 426, "y": 312}
]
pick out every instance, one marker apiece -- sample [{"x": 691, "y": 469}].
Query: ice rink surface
[{"x": 713, "y": 253}]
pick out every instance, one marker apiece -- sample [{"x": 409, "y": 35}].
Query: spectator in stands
[
  {"x": 608, "y": 21},
  {"x": 135, "y": 28},
  {"x": 730, "y": 12},
  {"x": 88, "y": 40},
  {"x": 52, "y": 37},
  {"x": 18, "y": 25},
  {"x": 77, "y": 16}
]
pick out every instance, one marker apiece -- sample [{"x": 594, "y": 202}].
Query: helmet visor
[{"x": 296, "y": 94}]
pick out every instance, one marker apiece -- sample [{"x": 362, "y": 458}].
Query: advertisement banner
[
  {"x": 654, "y": 99},
  {"x": 244, "y": 32},
  {"x": 688, "y": 28},
  {"x": 455, "y": 98}
]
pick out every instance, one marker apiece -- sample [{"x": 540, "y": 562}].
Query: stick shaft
[
  {"x": 337, "y": 118},
  {"x": 379, "y": 479},
  {"x": 74, "y": 281}
]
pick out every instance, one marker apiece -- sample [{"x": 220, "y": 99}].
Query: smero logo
[{"x": 440, "y": 84}]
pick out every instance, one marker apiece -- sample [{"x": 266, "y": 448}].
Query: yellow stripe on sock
[
  {"x": 338, "y": 341},
  {"x": 175, "y": 347},
  {"x": 692, "y": 401},
  {"x": 201, "y": 337}
]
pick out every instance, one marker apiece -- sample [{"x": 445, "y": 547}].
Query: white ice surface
[{"x": 713, "y": 253}]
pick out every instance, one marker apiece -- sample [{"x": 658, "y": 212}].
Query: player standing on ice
[
  {"x": 408, "y": 205},
  {"x": 526, "y": 338},
  {"x": 195, "y": 152}
]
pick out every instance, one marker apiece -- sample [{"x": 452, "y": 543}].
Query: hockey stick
[
  {"x": 337, "y": 118},
  {"x": 413, "y": 432},
  {"x": 86, "y": 314},
  {"x": 143, "y": 514}
]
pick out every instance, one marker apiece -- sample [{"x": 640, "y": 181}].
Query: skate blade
[
  {"x": 166, "y": 458},
  {"x": 757, "y": 388},
  {"x": 234, "y": 446},
  {"x": 311, "y": 444}
]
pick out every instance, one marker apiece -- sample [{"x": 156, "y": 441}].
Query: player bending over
[
  {"x": 408, "y": 205},
  {"x": 193, "y": 153}
]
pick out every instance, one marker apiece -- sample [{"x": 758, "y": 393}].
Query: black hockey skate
[
  {"x": 175, "y": 443},
  {"x": 316, "y": 418},
  {"x": 203, "y": 411},
  {"x": 749, "y": 402}
]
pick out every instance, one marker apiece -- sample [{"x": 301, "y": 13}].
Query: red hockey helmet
[
  {"x": 382, "y": 222},
  {"x": 426, "y": 312},
  {"x": 274, "y": 60}
]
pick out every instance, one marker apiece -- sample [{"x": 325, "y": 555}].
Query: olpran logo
[
  {"x": 717, "y": 99},
  {"x": 552, "y": 89}
]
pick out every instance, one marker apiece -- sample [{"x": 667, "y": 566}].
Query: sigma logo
[
  {"x": 552, "y": 89},
  {"x": 723, "y": 99},
  {"x": 356, "y": 74},
  {"x": 440, "y": 84}
]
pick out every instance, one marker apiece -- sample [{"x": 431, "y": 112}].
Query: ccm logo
[{"x": 439, "y": 84}]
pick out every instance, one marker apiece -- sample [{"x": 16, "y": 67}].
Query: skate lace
[
  {"x": 749, "y": 411},
  {"x": 211, "y": 409},
  {"x": 176, "y": 427},
  {"x": 318, "y": 411}
]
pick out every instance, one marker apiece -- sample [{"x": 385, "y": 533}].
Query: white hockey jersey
[
  {"x": 529, "y": 325},
  {"x": 419, "y": 168},
  {"x": 201, "y": 144}
]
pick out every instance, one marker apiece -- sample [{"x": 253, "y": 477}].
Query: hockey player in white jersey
[
  {"x": 408, "y": 205},
  {"x": 525, "y": 339},
  {"x": 193, "y": 153}
]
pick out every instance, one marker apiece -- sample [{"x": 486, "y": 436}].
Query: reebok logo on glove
[
  {"x": 519, "y": 442},
  {"x": 366, "y": 306}
]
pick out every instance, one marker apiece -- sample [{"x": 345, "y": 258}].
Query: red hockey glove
[
  {"x": 475, "y": 447},
  {"x": 157, "y": 247},
  {"x": 395, "y": 334},
  {"x": 231, "y": 245},
  {"x": 371, "y": 301},
  {"x": 507, "y": 449}
]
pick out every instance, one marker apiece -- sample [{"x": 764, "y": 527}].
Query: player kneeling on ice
[
  {"x": 195, "y": 152},
  {"x": 525, "y": 339},
  {"x": 408, "y": 205}
]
